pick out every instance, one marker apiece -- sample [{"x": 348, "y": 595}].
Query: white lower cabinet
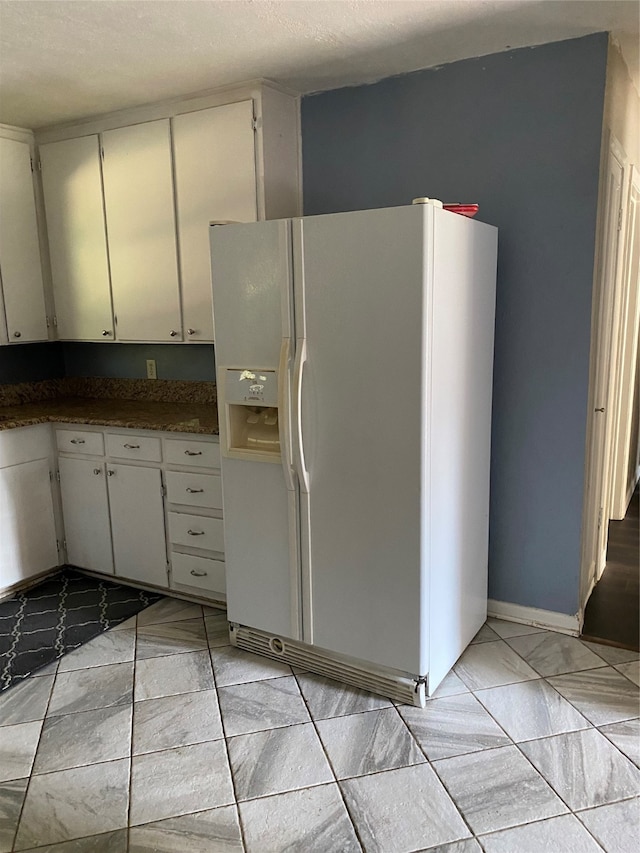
[
  {"x": 137, "y": 523},
  {"x": 28, "y": 540},
  {"x": 85, "y": 504},
  {"x": 112, "y": 486}
]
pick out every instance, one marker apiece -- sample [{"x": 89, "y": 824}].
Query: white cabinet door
[
  {"x": 138, "y": 187},
  {"x": 137, "y": 523},
  {"x": 215, "y": 171},
  {"x": 72, "y": 186},
  {"x": 28, "y": 543},
  {"x": 85, "y": 508},
  {"x": 20, "y": 267}
]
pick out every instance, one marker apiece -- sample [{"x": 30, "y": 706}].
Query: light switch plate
[{"x": 151, "y": 369}]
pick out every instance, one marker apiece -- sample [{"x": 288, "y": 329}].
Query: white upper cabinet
[
  {"x": 72, "y": 186},
  {"x": 141, "y": 228},
  {"x": 20, "y": 266},
  {"x": 215, "y": 176}
]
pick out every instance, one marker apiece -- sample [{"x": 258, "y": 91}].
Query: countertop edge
[{"x": 132, "y": 423}]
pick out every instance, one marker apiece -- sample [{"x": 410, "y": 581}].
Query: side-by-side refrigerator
[{"x": 354, "y": 364}]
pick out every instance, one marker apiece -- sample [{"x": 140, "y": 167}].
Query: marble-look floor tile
[
  {"x": 212, "y": 831},
  {"x": 492, "y": 665},
  {"x": 84, "y": 738},
  {"x": 11, "y": 799},
  {"x": 554, "y": 654},
  {"x": 564, "y": 833},
  {"x": 466, "y": 845},
  {"x": 108, "y": 842},
  {"x": 611, "y": 654},
  {"x": 402, "y": 810},
  {"x": 235, "y": 666},
  {"x": 506, "y": 629},
  {"x": 277, "y": 760},
  {"x": 601, "y": 695},
  {"x": 451, "y": 685},
  {"x": 368, "y": 743},
  {"x": 453, "y": 725},
  {"x": 584, "y": 768},
  {"x": 171, "y": 638},
  {"x": 313, "y": 819},
  {"x": 49, "y": 669},
  {"x": 110, "y": 647},
  {"x": 178, "y": 781},
  {"x": 485, "y": 634},
  {"x": 531, "y": 709},
  {"x": 173, "y": 674},
  {"x": 26, "y": 701},
  {"x": 328, "y": 698},
  {"x": 631, "y": 670},
  {"x": 217, "y": 628},
  {"x": 74, "y": 804},
  {"x": 88, "y": 689},
  {"x": 168, "y": 610},
  {"x": 176, "y": 721},
  {"x": 18, "y": 746},
  {"x": 626, "y": 736},
  {"x": 498, "y": 789},
  {"x": 131, "y": 622},
  {"x": 261, "y": 705},
  {"x": 616, "y": 827}
]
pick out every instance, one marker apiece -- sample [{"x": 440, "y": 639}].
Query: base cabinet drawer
[
  {"x": 194, "y": 489},
  {"x": 143, "y": 447},
  {"x": 201, "y": 454},
  {"x": 195, "y": 531},
  {"x": 79, "y": 441},
  {"x": 201, "y": 572}
]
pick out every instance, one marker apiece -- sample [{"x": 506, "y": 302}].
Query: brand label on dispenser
[{"x": 252, "y": 387}]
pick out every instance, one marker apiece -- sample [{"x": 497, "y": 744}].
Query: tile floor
[{"x": 159, "y": 736}]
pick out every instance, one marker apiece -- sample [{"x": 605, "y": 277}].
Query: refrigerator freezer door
[{"x": 362, "y": 303}]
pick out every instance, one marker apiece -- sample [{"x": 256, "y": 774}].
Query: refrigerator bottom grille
[{"x": 395, "y": 685}]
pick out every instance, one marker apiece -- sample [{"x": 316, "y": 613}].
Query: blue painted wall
[
  {"x": 30, "y": 363},
  {"x": 128, "y": 361},
  {"x": 519, "y": 133}
]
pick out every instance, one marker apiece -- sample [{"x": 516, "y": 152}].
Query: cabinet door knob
[
  {"x": 110, "y": 473},
  {"x": 191, "y": 331},
  {"x": 97, "y": 471},
  {"x": 173, "y": 333},
  {"x": 195, "y": 532},
  {"x": 17, "y": 334},
  {"x": 198, "y": 574},
  {"x": 105, "y": 333},
  {"x": 600, "y": 410}
]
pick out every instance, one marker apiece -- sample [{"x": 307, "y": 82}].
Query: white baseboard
[{"x": 549, "y": 619}]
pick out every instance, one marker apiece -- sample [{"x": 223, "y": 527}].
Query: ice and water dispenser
[{"x": 251, "y": 412}]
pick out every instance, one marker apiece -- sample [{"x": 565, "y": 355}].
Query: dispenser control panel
[{"x": 251, "y": 387}]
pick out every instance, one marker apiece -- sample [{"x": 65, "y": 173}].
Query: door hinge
[
  {"x": 600, "y": 514},
  {"x": 64, "y": 544},
  {"x": 254, "y": 123},
  {"x": 620, "y": 220}
]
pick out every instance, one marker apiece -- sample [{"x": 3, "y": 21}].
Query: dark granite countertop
[{"x": 174, "y": 407}]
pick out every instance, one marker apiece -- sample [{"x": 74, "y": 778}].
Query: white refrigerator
[{"x": 354, "y": 365}]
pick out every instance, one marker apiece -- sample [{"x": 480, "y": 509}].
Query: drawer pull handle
[
  {"x": 132, "y": 446},
  {"x": 195, "y": 532},
  {"x": 198, "y": 574},
  {"x": 194, "y": 491},
  {"x": 77, "y": 441},
  {"x": 193, "y": 453}
]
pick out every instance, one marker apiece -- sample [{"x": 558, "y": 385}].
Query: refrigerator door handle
[
  {"x": 284, "y": 416},
  {"x": 300, "y": 359}
]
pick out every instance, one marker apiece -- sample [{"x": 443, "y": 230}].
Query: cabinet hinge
[
  {"x": 101, "y": 153},
  {"x": 163, "y": 491},
  {"x": 115, "y": 319},
  {"x": 36, "y": 165},
  {"x": 58, "y": 476}
]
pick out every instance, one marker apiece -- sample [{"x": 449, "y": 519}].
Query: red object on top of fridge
[{"x": 463, "y": 209}]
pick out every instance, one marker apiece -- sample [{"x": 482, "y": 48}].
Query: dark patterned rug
[{"x": 63, "y": 612}]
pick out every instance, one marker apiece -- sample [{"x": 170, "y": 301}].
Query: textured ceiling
[{"x": 62, "y": 60}]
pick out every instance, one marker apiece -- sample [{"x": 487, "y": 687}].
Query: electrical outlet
[{"x": 151, "y": 369}]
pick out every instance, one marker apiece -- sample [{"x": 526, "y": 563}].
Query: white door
[
  {"x": 215, "y": 171},
  {"x": 360, "y": 289},
  {"x": 20, "y": 267},
  {"x": 28, "y": 543},
  {"x": 141, "y": 228},
  {"x": 72, "y": 187},
  {"x": 596, "y": 505},
  {"x": 85, "y": 509},
  {"x": 137, "y": 523}
]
